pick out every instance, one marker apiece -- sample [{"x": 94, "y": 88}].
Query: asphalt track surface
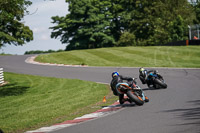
[{"x": 172, "y": 110}]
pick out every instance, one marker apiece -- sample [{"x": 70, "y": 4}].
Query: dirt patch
[{"x": 4, "y": 83}]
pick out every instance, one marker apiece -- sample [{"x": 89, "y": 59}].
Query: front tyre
[
  {"x": 137, "y": 99},
  {"x": 160, "y": 83}
]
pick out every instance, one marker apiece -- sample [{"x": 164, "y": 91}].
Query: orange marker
[{"x": 104, "y": 99}]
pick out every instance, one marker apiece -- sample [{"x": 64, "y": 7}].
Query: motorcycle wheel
[
  {"x": 137, "y": 99},
  {"x": 162, "y": 84}
]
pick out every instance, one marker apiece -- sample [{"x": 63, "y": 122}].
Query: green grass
[
  {"x": 2, "y": 54},
  {"x": 152, "y": 56},
  {"x": 29, "y": 102}
]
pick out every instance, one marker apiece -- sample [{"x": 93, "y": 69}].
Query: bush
[{"x": 127, "y": 39}]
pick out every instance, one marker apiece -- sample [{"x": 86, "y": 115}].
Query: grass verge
[
  {"x": 152, "y": 56},
  {"x": 29, "y": 102}
]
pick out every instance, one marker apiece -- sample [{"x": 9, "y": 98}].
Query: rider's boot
[
  {"x": 122, "y": 101},
  {"x": 129, "y": 100}
]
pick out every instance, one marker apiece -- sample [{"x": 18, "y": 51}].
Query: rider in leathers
[
  {"x": 144, "y": 73},
  {"x": 116, "y": 78}
]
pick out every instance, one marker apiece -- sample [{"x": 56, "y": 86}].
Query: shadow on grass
[{"x": 12, "y": 90}]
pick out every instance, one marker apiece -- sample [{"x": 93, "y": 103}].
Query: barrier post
[
  {"x": 187, "y": 42},
  {"x": 1, "y": 76}
]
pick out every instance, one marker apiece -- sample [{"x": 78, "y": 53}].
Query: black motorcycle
[{"x": 154, "y": 79}]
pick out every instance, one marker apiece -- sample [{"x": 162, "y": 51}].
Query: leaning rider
[
  {"x": 116, "y": 78},
  {"x": 144, "y": 73}
]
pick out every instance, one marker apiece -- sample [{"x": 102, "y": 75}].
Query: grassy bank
[
  {"x": 153, "y": 56},
  {"x": 29, "y": 102}
]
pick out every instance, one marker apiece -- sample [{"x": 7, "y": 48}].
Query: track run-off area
[{"x": 172, "y": 110}]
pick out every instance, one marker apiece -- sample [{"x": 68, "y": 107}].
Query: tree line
[
  {"x": 106, "y": 23},
  {"x": 43, "y": 52}
]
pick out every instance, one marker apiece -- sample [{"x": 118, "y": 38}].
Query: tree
[
  {"x": 197, "y": 11},
  {"x": 86, "y": 26},
  {"x": 12, "y": 30},
  {"x": 105, "y": 23},
  {"x": 152, "y": 19},
  {"x": 127, "y": 39},
  {"x": 177, "y": 29}
]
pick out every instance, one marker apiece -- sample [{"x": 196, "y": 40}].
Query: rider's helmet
[
  {"x": 115, "y": 74},
  {"x": 141, "y": 71}
]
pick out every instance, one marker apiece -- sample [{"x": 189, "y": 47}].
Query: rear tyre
[
  {"x": 162, "y": 84},
  {"x": 137, "y": 99}
]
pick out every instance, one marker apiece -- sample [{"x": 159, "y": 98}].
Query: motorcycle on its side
[
  {"x": 133, "y": 92},
  {"x": 154, "y": 79}
]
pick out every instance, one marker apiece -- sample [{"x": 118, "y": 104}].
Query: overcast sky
[{"x": 39, "y": 22}]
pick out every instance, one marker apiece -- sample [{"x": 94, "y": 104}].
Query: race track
[{"x": 172, "y": 110}]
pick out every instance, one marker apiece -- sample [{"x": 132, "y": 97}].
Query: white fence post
[{"x": 1, "y": 76}]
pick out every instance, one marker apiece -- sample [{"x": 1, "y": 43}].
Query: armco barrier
[
  {"x": 183, "y": 43},
  {"x": 194, "y": 42},
  {"x": 1, "y": 76},
  {"x": 178, "y": 43}
]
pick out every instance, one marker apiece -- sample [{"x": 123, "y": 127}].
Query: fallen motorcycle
[{"x": 133, "y": 92}]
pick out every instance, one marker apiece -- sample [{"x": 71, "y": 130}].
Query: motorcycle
[
  {"x": 133, "y": 92},
  {"x": 154, "y": 79}
]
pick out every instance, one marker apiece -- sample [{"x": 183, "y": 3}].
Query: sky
[{"x": 39, "y": 22}]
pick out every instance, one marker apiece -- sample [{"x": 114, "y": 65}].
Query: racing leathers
[
  {"x": 144, "y": 74},
  {"x": 119, "y": 79}
]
